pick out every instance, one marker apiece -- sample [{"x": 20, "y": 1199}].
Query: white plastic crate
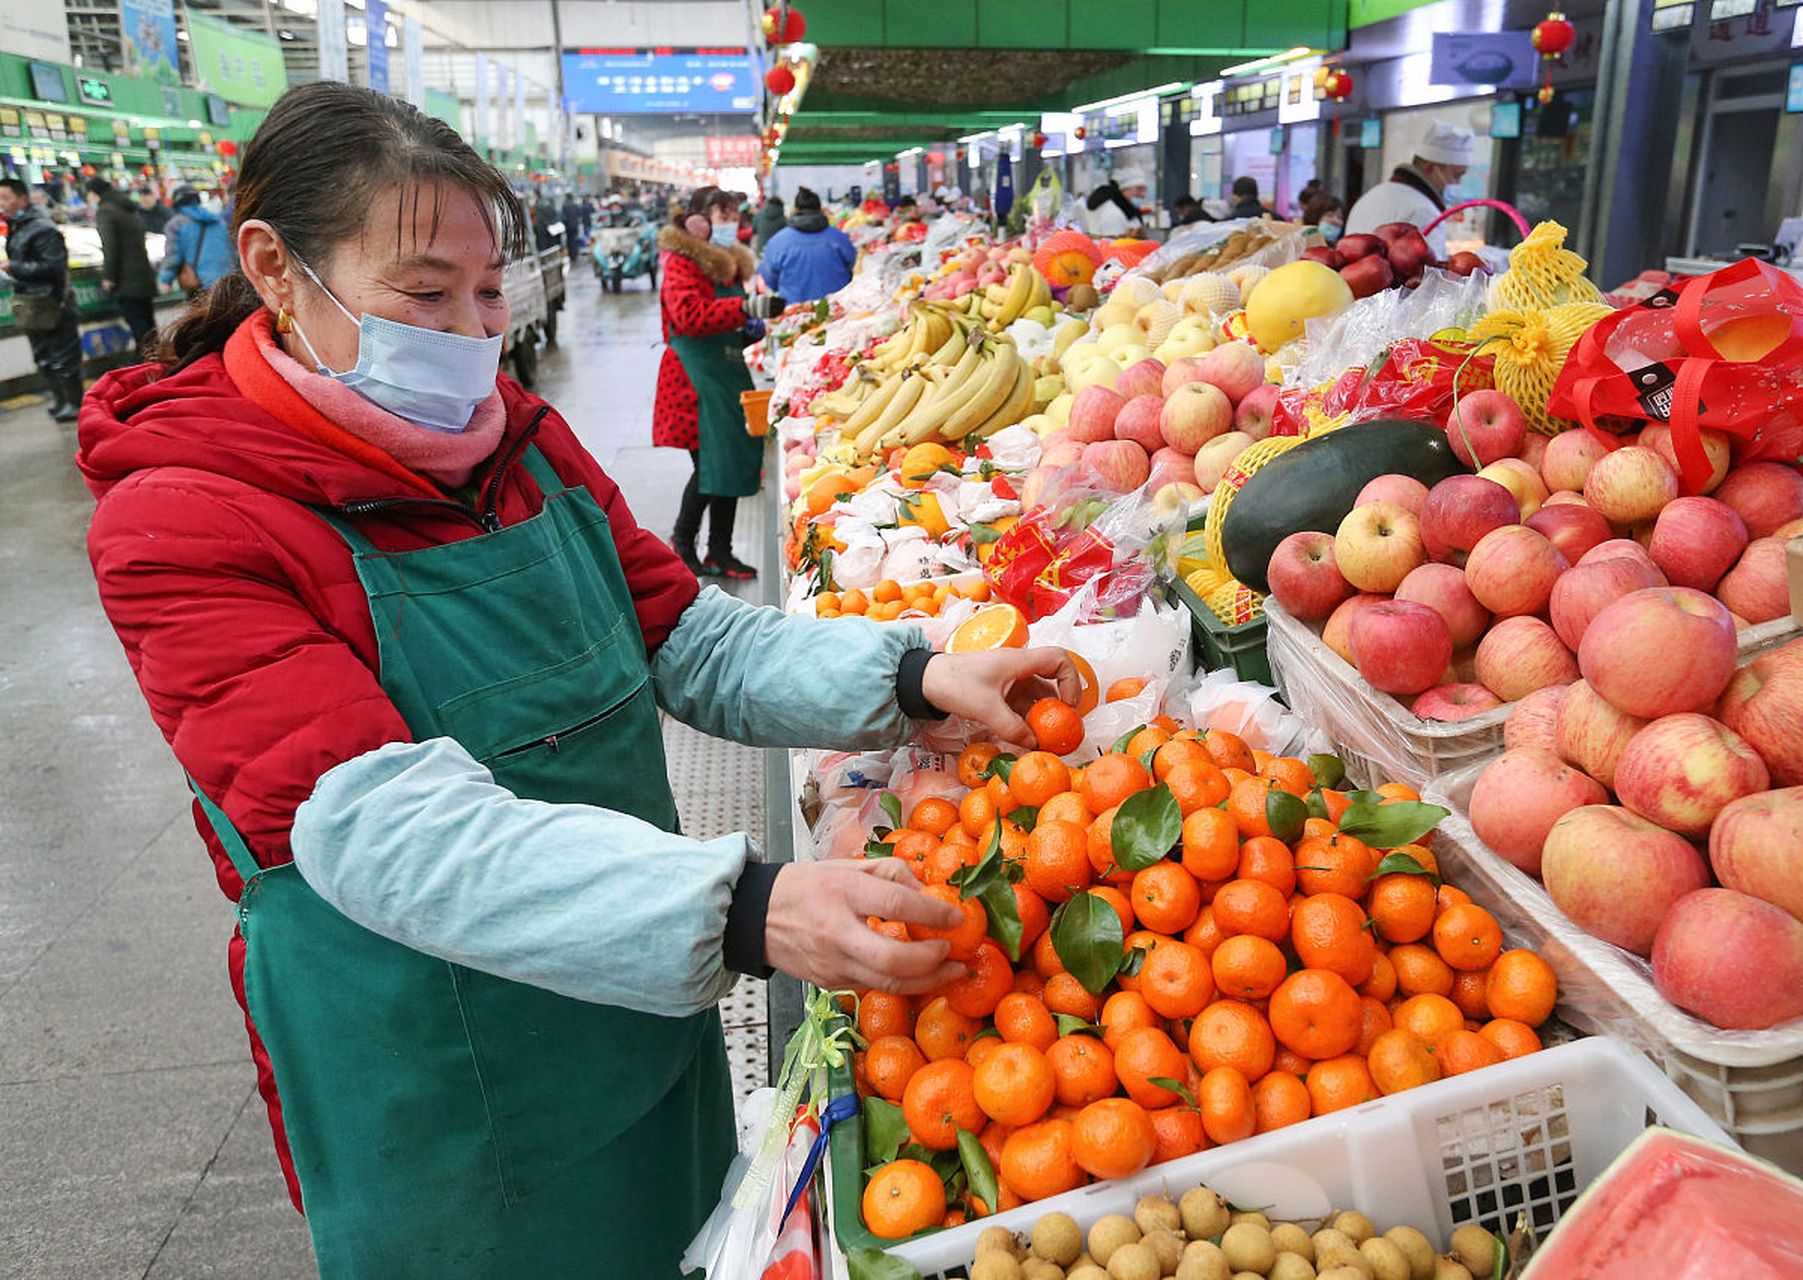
[
  {"x": 1521, "y": 1136},
  {"x": 1751, "y": 1082}
]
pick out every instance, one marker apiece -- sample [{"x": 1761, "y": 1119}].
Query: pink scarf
[{"x": 447, "y": 457}]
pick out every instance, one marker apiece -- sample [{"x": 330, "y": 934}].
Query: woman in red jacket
[
  {"x": 411, "y": 648},
  {"x": 706, "y": 317}
]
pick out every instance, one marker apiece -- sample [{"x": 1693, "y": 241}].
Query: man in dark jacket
[
  {"x": 572, "y": 223},
  {"x": 38, "y": 262},
  {"x": 152, "y": 212},
  {"x": 768, "y": 220},
  {"x": 1246, "y": 203},
  {"x": 126, "y": 274},
  {"x": 810, "y": 257}
]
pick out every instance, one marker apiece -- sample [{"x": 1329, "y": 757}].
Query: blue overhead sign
[
  {"x": 1503, "y": 59},
  {"x": 623, "y": 82}
]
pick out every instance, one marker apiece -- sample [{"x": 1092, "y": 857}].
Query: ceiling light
[
  {"x": 1173, "y": 87},
  {"x": 1260, "y": 64},
  {"x": 969, "y": 138}
]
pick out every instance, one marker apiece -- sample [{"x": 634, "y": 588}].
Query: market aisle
[{"x": 131, "y": 1140}]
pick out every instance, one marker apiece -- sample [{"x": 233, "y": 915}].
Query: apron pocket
[
  {"x": 561, "y": 767},
  {"x": 539, "y": 705}
]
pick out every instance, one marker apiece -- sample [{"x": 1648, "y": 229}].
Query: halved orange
[
  {"x": 996, "y": 626},
  {"x": 1092, "y": 690}
]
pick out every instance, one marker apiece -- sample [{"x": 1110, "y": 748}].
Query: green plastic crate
[
  {"x": 1218, "y": 645},
  {"x": 846, "y": 1145}
]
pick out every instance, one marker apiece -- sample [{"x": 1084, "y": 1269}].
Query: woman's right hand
[{"x": 816, "y": 927}]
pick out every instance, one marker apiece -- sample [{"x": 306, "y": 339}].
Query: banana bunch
[
  {"x": 1002, "y": 305},
  {"x": 987, "y": 387},
  {"x": 928, "y": 331}
]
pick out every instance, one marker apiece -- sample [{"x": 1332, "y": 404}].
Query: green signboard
[
  {"x": 239, "y": 65},
  {"x": 444, "y": 106},
  {"x": 1363, "y": 13}
]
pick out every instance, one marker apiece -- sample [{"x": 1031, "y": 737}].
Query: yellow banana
[
  {"x": 956, "y": 388},
  {"x": 952, "y": 349},
  {"x": 933, "y": 378},
  {"x": 1016, "y": 406},
  {"x": 873, "y": 405},
  {"x": 1020, "y": 292},
  {"x": 997, "y": 381},
  {"x": 906, "y": 396}
]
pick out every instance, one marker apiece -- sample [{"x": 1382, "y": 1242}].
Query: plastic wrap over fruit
[
  {"x": 1359, "y": 335},
  {"x": 1414, "y": 380}
]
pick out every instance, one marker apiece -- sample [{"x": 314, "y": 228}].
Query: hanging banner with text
[
  {"x": 240, "y": 66},
  {"x": 734, "y": 150},
  {"x": 35, "y": 29},
  {"x": 334, "y": 46},
  {"x": 375, "y": 25}
]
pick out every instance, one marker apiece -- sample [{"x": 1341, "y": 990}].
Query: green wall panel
[
  {"x": 1318, "y": 24},
  {"x": 1204, "y": 24},
  {"x": 1113, "y": 24},
  {"x": 847, "y": 22},
  {"x": 932, "y": 24},
  {"x": 1021, "y": 24}
]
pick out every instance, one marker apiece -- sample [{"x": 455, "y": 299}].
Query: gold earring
[{"x": 284, "y": 323}]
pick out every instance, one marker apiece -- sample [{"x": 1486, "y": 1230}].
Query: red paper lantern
[
  {"x": 1039, "y": 142},
  {"x": 228, "y": 148},
  {"x": 784, "y": 25},
  {"x": 779, "y": 80},
  {"x": 1339, "y": 85},
  {"x": 1554, "y": 35},
  {"x": 1079, "y": 133}
]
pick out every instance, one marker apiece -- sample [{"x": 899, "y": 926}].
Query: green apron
[
  {"x": 445, "y": 1122},
  {"x": 732, "y": 459}
]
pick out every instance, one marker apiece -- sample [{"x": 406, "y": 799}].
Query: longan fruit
[
  {"x": 1109, "y": 1234},
  {"x": 1205, "y": 1214},
  {"x": 1475, "y": 1248},
  {"x": 1057, "y": 1238},
  {"x": 1292, "y": 1266},
  {"x": 1134, "y": 1262},
  {"x": 1354, "y": 1225},
  {"x": 1253, "y": 1217},
  {"x": 1040, "y": 1269},
  {"x": 1287, "y": 1237},
  {"x": 1446, "y": 1268},
  {"x": 995, "y": 1265},
  {"x": 1248, "y": 1247},
  {"x": 997, "y": 1240},
  {"x": 1416, "y": 1248},
  {"x": 1156, "y": 1213},
  {"x": 1387, "y": 1261},
  {"x": 1167, "y": 1246},
  {"x": 1203, "y": 1260},
  {"x": 1334, "y": 1248},
  {"x": 1343, "y": 1273},
  {"x": 1086, "y": 1271}
]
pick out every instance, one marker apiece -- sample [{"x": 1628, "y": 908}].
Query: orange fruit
[
  {"x": 853, "y": 601},
  {"x": 1402, "y": 906},
  {"x": 993, "y": 1137},
  {"x": 940, "y": 1100},
  {"x": 1293, "y": 775},
  {"x": 1381, "y": 985},
  {"x": 1247, "y": 967},
  {"x": 1269, "y": 859},
  {"x": 1225, "y": 1100},
  {"x": 1067, "y": 807},
  {"x": 1037, "y": 777},
  {"x": 1450, "y": 896},
  {"x": 886, "y": 591},
  {"x": 1138, "y": 940},
  {"x": 1110, "y": 779},
  {"x": 1467, "y": 937},
  {"x": 1468, "y": 993},
  {"x": 911, "y": 846},
  {"x": 1064, "y": 994},
  {"x": 980, "y": 1050},
  {"x": 944, "y": 862},
  {"x": 1035, "y": 916},
  {"x": 1178, "y": 1131},
  {"x": 890, "y": 1063},
  {"x": 1337, "y": 1083},
  {"x": 1254, "y": 907},
  {"x": 986, "y": 979},
  {"x": 1401, "y": 1060},
  {"x": 901, "y": 1198},
  {"x": 1014, "y": 1085},
  {"x": 1328, "y": 932},
  {"x": 1521, "y": 987},
  {"x": 1024, "y": 1019},
  {"x": 1422, "y": 855},
  {"x": 1316, "y": 1013},
  {"x": 881, "y": 1013},
  {"x": 1057, "y": 859},
  {"x": 1396, "y": 791},
  {"x": 1430, "y": 1017},
  {"x": 976, "y": 813},
  {"x": 1056, "y": 726},
  {"x": 1122, "y": 1013},
  {"x": 827, "y": 490},
  {"x": 1122, "y": 907},
  {"x": 973, "y": 760},
  {"x": 1204, "y": 935},
  {"x": 1000, "y": 798},
  {"x": 1091, "y": 692},
  {"x": 942, "y": 1032},
  {"x": 934, "y": 815},
  {"x": 1038, "y": 1161},
  {"x": 1113, "y": 1138},
  {"x": 1045, "y": 957},
  {"x": 1334, "y": 864},
  {"x": 1100, "y": 844},
  {"x": 1195, "y": 784},
  {"x": 1229, "y": 750},
  {"x": 1211, "y": 844},
  {"x": 1420, "y": 971},
  {"x": 1461, "y": 1051},
  {"x": 1246, "y": 802},
  {"x": 1147, "y": 740},
  {"x": 995, "y": 626},
  {"x": 1165, "y": 897},
  {"x": 1374, "y": 1021},
  {"x": 1082, "y": 1069},
  {"x": 1229, "y": 1033},
  {"x": 1515, "y": 1039},
  {"x": 1142, "y": 1054},
  {"x": 1029, "y": 983},
  {"x": 967, "y": 934},
  {"x": 1178, "y": 751},
  {"x": 1177, "y": 980},
  {"x": 1279, "y": 1099},
  {"x": 1129, "y": 687}
]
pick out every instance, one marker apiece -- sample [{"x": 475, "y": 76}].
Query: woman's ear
[{"x": 266, "y": 264}]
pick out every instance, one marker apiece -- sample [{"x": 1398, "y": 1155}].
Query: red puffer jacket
[
  {"x": 691, "y": 268},
  {"x": 240, "y": 609}
]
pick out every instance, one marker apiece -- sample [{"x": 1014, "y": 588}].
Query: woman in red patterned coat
[{"x": 706, "y": 315}]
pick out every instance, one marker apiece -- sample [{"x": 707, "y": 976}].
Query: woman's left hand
[{"x": 996, "y": 687}]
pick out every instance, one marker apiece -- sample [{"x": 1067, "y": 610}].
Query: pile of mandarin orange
[
  {"x": 1280, "y": 981},
  {"x": 889, "y": 599}
]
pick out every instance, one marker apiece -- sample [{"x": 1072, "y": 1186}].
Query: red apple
[
  {"x": 1485, "y": 426},
  {"x": 1521, "y": 480},
  {"x": 1767, "y": 494},
  {"x": 1569, "y": 457},
  {"x": 1236, "y": 368},
  {"x": 1336, "y": 634},
  {"x": 1326, "y": 257},
  {"x": 1178, "y": 372},
  {"x": 1585, "y": 590},
  {"x": 1368, "y": 275},
  {"x": 1399, "y": 647},
  {"x": 1356, "y": 246},
  {"x": 1572, "y": 527},
  {"x": 1518, "y": 798},
  {"x": 1763, "y": 703},
  {"x": 1119, "y": 466},
  {"x": 1405, "y": 491},
  {"x": 1731, "y": 959},
  {"x": 1622, "y": 549},
  {"x": 1616, "y": 875},
  {"x": 1213, "y": 458},
  {"x": 1696, "y": 540},
  {"x": 1533, "y": 721},
  {"x": 1194, "y": 414},
  {"x": 1682, "y": 770},
  {"x": 1717, "y": 447},
  {"x": 1171, "y": 467},
  {"x": 1138, "y": 421},
  {"x": 1521, "y": 655},
  {"x": 1757, "y": 587},
  {"x": 1454, "y": 702},
  {"x": 1093, "y": 412},
  {"x": 1376, "y": 546},
  {"x": 1564, "y": 497},
  {"x": 1630, "y": 485},
  {"x": 1253, "y": 416},
  {"x": 1304, "y": 577},
  {"x": 1464, "y": 263},
  {"x": 1459, "y": 511},
  {"x": 1144, "y": 378},
  {"x": 1591, "y": 734},
  {"x": 1512, "y": 570},
  {"x": 1660, "y": 651},
  {"x": 1443, "y": 589},
  {"x": 1408, "y": 251},
  {"x": 1755, "y": 847}
]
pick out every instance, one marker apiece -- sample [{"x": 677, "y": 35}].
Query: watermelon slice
[{"x": 1673, "y": 1205}]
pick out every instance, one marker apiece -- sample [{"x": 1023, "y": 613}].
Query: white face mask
[
  {"x": 428, "y": 377},
  {"x": 725, "y": 234}
]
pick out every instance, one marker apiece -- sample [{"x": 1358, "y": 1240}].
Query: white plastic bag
[
  {"x": 740, "y": 1244},
  {"x": 1221, "y": 700}
]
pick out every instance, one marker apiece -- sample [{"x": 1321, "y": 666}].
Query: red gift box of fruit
[{"x": 1414, "y": 381}]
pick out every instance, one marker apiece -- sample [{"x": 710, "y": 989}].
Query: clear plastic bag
[
  {"x": 1359, "y": 334},
  {"x": 757, "y": 1241},
  {"x": 1221, "y": 700}
]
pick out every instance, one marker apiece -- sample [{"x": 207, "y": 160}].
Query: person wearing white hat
[{"x": 1416, "y": 191}]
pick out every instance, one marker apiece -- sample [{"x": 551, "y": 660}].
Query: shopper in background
[
  {"x": 1108, "y": 213},
  {"x": 37, "y": 261},
  {"x": 1416, "y": 191},
  {"x": 705, "y": 314},
  {"x": 1246, "y": 203},
  {"x": 197, "y": 246},
  {"x": 810, "y": 257},
  {"x": 1319, "y": 209},
  {"x": 126, "y": 275},
  {"x": 769, "y": 219},
  {"x": 573, "y": 236},
  {"x": 1187, "y": 210},
  {"x": 152, "y": 212},
  {"x": 907, "y": 209}
]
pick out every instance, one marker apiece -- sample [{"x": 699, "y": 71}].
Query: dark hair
[
  {"x": 16, "y": 187},
  {"x": 1103, "y": 194},
  {"x": 806, "y": 201},
  {"x": 312, "y": 171},
  {"x": 1246, "y": 187},
  {"x": 99, "y": 186},
  {"x": 1317, "y": 205},
  {"x": 1185, "y": 201},
  {"x": 707, "y": 199}
]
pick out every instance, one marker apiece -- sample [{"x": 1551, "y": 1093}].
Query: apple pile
[
  {"x": 1481, "y": 591},
  {"x": 1395, "y": 254},
  {"x": 1659, "y": 798}
]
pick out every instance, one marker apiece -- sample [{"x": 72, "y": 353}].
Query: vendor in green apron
[
  {"x": 708, "y": 319},
  {"x": 411, "y": 649}
]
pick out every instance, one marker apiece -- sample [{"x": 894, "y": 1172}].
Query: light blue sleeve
[
  {"x": 755, "y": 675},
  {"x": 416, "y": 842}
]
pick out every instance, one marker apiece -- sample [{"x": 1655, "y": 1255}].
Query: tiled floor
[{"x": 131, "y": 1139}]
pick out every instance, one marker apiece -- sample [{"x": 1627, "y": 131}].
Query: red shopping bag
[{"x": 1722, "y": 351}]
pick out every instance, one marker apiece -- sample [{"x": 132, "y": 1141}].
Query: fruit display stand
[
  {"x": 1751, "y": 1082},
  {"x": 1521, "y": 1137}
]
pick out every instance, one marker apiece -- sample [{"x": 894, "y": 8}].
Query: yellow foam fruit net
[
  {"x": 1231, "y": 600},
  {"x": 1542, "y": 274},
  {"x": 1530, "y": 349}
]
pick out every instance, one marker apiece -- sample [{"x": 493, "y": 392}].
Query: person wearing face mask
[
  {"x": 197, "y": 247},
  {"x": 707, "y": 323},
  {"x": 1416, "y": 191},
  {"x": 1324, "y": 211}
]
